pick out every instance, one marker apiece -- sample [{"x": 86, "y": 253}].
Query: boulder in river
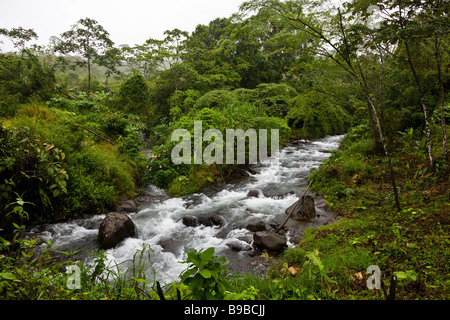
[
  {"x": 270, "y": 241},
  {"x": 237, "y": 245},
  {"x": 305, "y": 211},
  {"x": 190, "y": 221},
  {"x": 115, "y": 228},
  {"x": 256, "y": 226},
  {"x": 254, "y": 193},
  {"x": 168, "y": 245},
  {"x": 212, "y": 220}
]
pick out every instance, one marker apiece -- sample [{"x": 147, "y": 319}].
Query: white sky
[{"x": 128, "y": 21}]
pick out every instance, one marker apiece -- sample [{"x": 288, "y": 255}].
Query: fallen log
[
  {"x": 296, "y": 205},
  {"x": 96, "y": 134}
]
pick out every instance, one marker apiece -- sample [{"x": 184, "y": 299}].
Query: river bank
[
  {"x": 410, "y": 247},
  {"x": 159, "y": 217}
]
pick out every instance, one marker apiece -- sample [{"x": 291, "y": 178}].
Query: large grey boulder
[
  {"x": 305, "y": 211},
  {"x": 115, "y": 228},
  {"x": 270, "y": 241}
]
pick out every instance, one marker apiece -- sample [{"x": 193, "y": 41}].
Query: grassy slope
[{"x": 331, "y": 261}]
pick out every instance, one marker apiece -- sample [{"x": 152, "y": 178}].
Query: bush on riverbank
[
  {"x": 71, "y": 170},
  {"x": 182, "y": 179}
]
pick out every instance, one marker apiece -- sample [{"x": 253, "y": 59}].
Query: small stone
[{"x": 253, "y": 193}]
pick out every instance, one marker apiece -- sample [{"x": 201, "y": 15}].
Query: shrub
[
  {"x": 181, "y": 102},
  {"x": 28, "y": 165},
  {"x": 275, "y": 98},
  {"x": 215, "y": 99},
  {"x": 353, "y": 166},
  {"x": 184, "y": 179},
  {"x": 160, "y": 170},
  {"x": 102, "y": 164},
  {"x": 25, "y": 77},
  {"x": 198, "y": 177},
  {"x": 314, "y": 116},
  {"x": 87, "y": 194},
  {"x": 205, "y": 275},
  {"x": 97, "y": 173},
  {"x": 134, "y": 95}
]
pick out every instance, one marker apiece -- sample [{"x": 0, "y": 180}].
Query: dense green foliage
[
  {"x": 22, "y": 78},
  {"x": 207, "y": 275},
  {"x": 218, "y": 109},
  {"x": 72, "y": 142},
  {"x": 77, "y": 172}
]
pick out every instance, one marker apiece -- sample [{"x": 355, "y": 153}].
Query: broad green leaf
[
  {"x": 408, "y": 274},
  {"x": 188, "y": 273},
  {"x": 207, "y": 256},
  {"x": 313, "y": 257},
  {"x": 8, "y": 276},
  {"x": 193, "y": 257},
  {"x": 205, "y": 273}
]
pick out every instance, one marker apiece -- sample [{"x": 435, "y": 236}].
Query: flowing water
[{"x": 159, "y": 221}]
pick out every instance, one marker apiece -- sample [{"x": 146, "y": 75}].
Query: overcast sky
[{"x": 127, "y": 21}]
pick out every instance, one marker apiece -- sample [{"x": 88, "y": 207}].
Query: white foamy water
[{"x": 160, "y": 226}]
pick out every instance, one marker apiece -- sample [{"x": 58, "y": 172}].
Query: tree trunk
[
  {"x": 89, "y": 79},
  {"x": 424, "y": 107},
  {"x": 365, "y": 88},
  {"x": 442, "y": 99},
  {"x": 387, "y": 154}
]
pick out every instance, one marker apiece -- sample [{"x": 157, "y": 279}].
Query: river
[{"x": 159, "y": 220}]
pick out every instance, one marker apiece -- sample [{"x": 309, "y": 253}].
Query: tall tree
[
  {"x": 90, "y": 40},
  {"x": 338, "y": 40},
  {"x": 171, "y": 51},
  {"x": 403, "y": 24},
  {"x": 19, "y": 36},
  {"x": 409, "y": 24},
  {"x": 143, "y": 59},
  {"x": 435, "y": 18}
]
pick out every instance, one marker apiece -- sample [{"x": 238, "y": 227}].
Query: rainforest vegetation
[{"x": 76, "y": 116}]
